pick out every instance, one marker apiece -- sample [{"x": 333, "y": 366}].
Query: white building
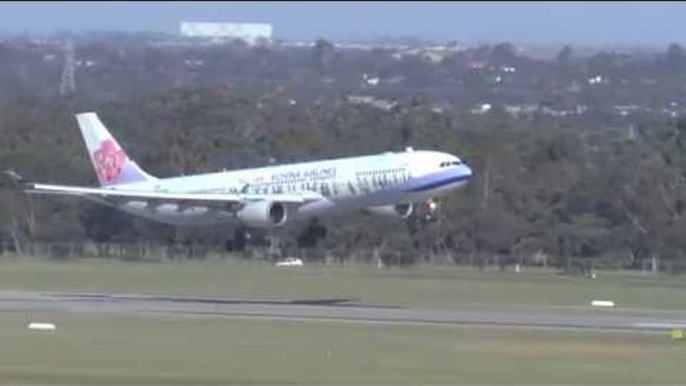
[{"x": 251, "y": 33}]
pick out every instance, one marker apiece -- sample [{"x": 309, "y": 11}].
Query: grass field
[
  {"x": 109, "y": 348},
  {"x": 419, "y": 286},
  {"x": 92, "y": 349}
]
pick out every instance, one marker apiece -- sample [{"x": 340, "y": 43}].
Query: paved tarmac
[{"x": 348, "y": 310}]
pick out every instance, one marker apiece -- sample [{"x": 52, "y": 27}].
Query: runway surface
[{"x": 347, "y": 310}]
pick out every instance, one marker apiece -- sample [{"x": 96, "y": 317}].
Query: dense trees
[
  {"x": 572, "y": 191},
  {"x": 573, "y": 195}
]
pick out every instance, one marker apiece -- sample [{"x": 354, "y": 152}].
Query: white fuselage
[{"x": 339, "y": 184}]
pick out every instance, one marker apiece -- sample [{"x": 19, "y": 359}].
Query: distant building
[{"x": 251, "y": 33}]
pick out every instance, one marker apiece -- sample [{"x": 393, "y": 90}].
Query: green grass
[
  {"x": 108, "y": 348},
  {"x": 440, "y": 287},
  {"x": 111, "y": 348}
]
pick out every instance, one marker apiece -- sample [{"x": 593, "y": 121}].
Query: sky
[{"x": 527, "y": 22}]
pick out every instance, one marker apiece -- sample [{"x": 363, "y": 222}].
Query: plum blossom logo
[{"x": 108, "y": 161}]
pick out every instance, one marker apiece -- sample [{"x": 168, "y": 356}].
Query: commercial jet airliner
[{"x": 267, "y": 197}]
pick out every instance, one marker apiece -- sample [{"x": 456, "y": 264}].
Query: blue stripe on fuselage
[
  {"x": 439, "y": 183},
  {"x": 439, "y": 179}
]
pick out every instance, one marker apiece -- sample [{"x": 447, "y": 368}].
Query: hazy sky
[{"x": 534, "y": 22}]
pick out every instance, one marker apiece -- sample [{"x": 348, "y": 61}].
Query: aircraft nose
[{"x": 466, "y": 170}]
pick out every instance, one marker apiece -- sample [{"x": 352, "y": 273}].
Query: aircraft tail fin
[{"x": 112, "y": 165}]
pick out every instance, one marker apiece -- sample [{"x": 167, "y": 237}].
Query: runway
[{"x": 347, "y": 310}]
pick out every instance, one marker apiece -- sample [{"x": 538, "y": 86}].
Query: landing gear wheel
[{"x": 239, "y": 240}]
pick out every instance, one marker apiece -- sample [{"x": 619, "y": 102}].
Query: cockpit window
[{"x": 450, "y": 163}]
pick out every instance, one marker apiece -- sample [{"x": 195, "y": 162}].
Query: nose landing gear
[{"x": 430, "y": 212}]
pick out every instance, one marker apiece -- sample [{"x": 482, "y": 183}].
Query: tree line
[{"x": 572, "y": 192}]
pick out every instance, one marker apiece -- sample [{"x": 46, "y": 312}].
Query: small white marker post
[
  {"x": 41, "y": 326},
  {"x": 603, "y": 303}
]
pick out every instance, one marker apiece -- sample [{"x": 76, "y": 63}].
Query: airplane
[{"x": 389, "y": 184}]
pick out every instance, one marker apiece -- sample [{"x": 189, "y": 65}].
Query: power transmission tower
[{"x": 68, "y": 85}]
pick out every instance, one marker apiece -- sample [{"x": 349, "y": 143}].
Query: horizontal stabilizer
[{"x": 17, "y": 180}]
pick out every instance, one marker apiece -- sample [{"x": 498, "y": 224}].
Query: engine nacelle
[
  {"x": 263, "y": 214},
  {"x": 398, "y": 210}
]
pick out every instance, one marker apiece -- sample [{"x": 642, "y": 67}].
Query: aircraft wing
[{"x": 120, "y": 196}]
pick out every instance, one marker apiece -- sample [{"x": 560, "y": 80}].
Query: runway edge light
[
  {"x": 41, "y": 326},
  {"x": 603, "y": 303}
]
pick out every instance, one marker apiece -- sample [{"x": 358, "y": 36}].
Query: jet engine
[
  {"x": 263, "y": 214},
  {"x": 398, "y": 210}
]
